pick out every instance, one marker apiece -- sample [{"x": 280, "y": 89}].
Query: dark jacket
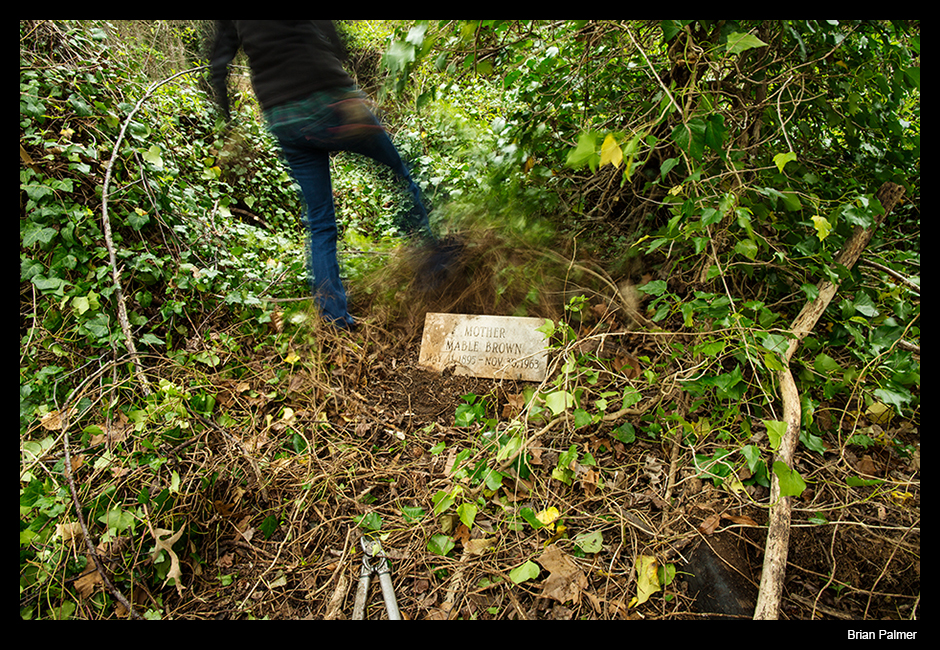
[{"x": 289, "y": 59}]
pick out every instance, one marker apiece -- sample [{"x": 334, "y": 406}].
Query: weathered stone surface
[{"x": 500, "y": 347}]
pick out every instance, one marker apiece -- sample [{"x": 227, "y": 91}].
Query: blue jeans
[{"x": 308, "y": 130}]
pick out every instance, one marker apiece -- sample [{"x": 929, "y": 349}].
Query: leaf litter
[{"x": 367, "y": 445}]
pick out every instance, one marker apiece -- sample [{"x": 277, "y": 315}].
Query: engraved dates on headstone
[{"x": 500, "y": 347}]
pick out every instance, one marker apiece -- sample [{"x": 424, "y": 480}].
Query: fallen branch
[
  {"x": 778, "y": 532},
  {"x": 106, "y": 223},
  {"x": 86, "y": 534}
]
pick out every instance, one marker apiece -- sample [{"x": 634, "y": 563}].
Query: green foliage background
[{"x": 733, "y": 157}]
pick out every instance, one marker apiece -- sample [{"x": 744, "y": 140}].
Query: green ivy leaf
[
  {"x": 369, "y": 521},
  {"x": 509, "y": 449},
  {"x": 268, "y": 526},
  {"x": 154, "y": 156},
  {"x": 585, "y": 153},
  {"x": 667, "y": 166},
  {"x": 582, "y": 418},
  {"x": 654, "y": 288},
  {"x": 528, "y": 571},
  {"x": 690, "y": 137},
  {"x": 856, "y": 481},
  {"x": 440, "y": 544},
  {"x": 467, "y": 512},
  {"x": 117, "y": 519},
  {"x": 897, "y": 396},
  {"x": 775, "y": 343},
  {"x": 590, "y": 542},
  {"x": 151, "y": 339},
  {"x": 412, "y": 514},
  {"x": 625, "y": 433},
  {"x": 775, "y": 431},
  {"x": 747, "y": 248},
  {"x": 547, "y": 329},
  {"x": 33, "y": 233},
  {"x": 781, "y": 160},
  {"x": 559, "y": 401},
  {"x": 738, "y": 42},
  {"x": 137, "y": 218},
  {"x": 791, "y": 483},
  {"x": 528, "y": 514},
  {"x": 715, "y": 132}
]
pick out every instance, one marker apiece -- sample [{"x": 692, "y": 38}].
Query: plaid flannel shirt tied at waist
[{"x": 339, "y": 112}]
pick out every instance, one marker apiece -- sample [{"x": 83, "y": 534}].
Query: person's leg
[
  {"x": 361, "y": 132},
  {"x": 310, "y": 167},
  {"x": 379, "y": 147}
]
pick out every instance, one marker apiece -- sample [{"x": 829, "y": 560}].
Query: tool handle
[
  {"x": 359, "y": 608},
  {"x": 391, "y": 603}
]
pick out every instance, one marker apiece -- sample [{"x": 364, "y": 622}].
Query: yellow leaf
[
  {"x": 292, "y": 357},
  {"x": 611, "y": 152},
  {"x": 901, "y": 497},
  {"x": 647, "y": 582},
  {"x": 879, "y": 414},
  {"x": 823, "y": 227},
  {"x": 548, "y": 516}
]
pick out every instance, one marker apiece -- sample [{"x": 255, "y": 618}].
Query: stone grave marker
[{"x": 499, "y": 347}]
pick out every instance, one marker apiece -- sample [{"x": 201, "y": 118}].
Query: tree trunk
[{"x": 778, "y": 532}]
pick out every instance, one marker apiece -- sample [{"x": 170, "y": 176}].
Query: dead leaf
[
  {"x": 514, "y": 405},
  {"x": 462, "y": 534},
  {"x": 115, "y": 432},
  {"x": 589, "y": 483},
  {"x": 244, "y": 528},
  {"x": 867, "y": 466},
  {"x": 451, "y": 459},
  {"x": 296, "y": 384},
  {"x": 565, "y": 581},
  {"x": 479, "y": 546},
  {"x": 167, "y": 545},
  {"x": 535, "y": 450},
  {"x": 654, "y": 469},
  {"x": 628, "y": 365},
  {"x": 708, "y": 526},
  {"x": 52, "y": 421},
  {"x": 85, "y": 584},
  {"x": 70, "y": 531},
  {"x": 743, "y": 520},
  {"x": 599, "y": 309}
]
